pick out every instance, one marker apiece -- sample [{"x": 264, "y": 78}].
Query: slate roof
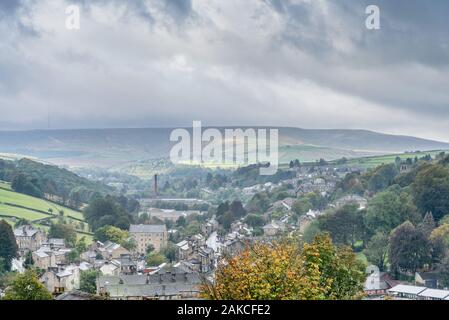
[
  {"x": 25, "y": 231},
  {"x": 147, "y": 228}
]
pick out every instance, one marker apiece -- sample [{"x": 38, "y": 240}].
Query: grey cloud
[
  {"x": 227, "y": 69},
  {"x": 8, "y": 7}
]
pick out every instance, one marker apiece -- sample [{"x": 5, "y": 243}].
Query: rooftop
[
  {"x": 25, "y": 231},
  {"x": 434, "y": 293},
  {"x": 406, "y": 289},
  {"x": 147, "y": 228}
]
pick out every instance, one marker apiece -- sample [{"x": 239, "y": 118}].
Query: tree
[
  {"x": 382, "y": 177},
  {"x": 390, "y": 208},
  {"x": 409, "y": 248},
  {"x": 155, "y": 259},
  {"x": 254, "y": 220},
  {"x": 81, "y": 244},
  {"x": 441, "y": 232},
  {"x": 226, "y": 220},
  {"x": 376, "y": 250},
  {"x": 444, "y": 220},
  {"x": 28, "y": 260},
  {"x": 431, "y": 189},
  {"x": 22, "y": 184},
  {"x": 301, "y": 206},
  {"x": 111, "y": 233},
  {"x": 288, "y": 271},
  {"x": 73, "y": 256},
  {"x": 63, "y": 231},
  {"x": 263, "y": 272},
  {"x": 149, "y": 249},
  {"x": 106, "y": 211},
  {"x": 181, "y": 222},
  {"x": 237, "y": 209},
  {"x": 260, "y": 202},
  {"x": 443, "y": 269},
  {"x": 345, "y": 224},
  {"x": 8, "y": 245},
  {"x": 27, "y": 286},
  {"x": 129, "y": 244},
  {"x": 222, "y": 208},
  {"x": 341, "y": 273},
  {"x": 311, "y": 231},
  {"x": 88, "y": 281},
  {"x": 169, "y": 252},
  {"x": 428, "y": 224}
]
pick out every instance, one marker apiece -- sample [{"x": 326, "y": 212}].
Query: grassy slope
[
  {"x": 8, "y": 196},
  {"x": 370, "y": 162}
]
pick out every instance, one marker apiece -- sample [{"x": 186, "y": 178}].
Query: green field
[
  {"x": 374, "y": 161},
  {"x": 5, "y": 185},
  {"x": 17, "y": 205},
  {"x": 23, "y": 200}
]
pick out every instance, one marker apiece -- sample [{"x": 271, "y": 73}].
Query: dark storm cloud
[
  {"x": 412, "y": 30},
  {"x": 180, "y": 8},
  {"x": 9, "y": 6}
]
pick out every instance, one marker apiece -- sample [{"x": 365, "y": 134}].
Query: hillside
[
  {"x": 119, "y": 147},
  {"x": 37, "y": 179},
  {"x": 14, "y": 206}
]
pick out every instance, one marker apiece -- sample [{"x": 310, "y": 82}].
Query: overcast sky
[{"x": 302, "y": 63}]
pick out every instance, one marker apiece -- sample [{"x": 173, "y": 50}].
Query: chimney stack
[{"x": 155, "y": 184}]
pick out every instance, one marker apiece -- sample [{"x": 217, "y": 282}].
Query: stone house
[
  {"x": 29, "y": 238},
  {"x": 59, "y": 280},
  {"x": 50, "y": 257},
  {"x": 149, "y": 234}
]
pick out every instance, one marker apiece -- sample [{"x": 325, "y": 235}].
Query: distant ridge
[{"x": 110, "y": 147}]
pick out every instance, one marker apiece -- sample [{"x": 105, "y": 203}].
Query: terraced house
[{"x": 29, "y": 238}]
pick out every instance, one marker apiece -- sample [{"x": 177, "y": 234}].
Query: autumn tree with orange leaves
[{"x": 287, "y": 271}]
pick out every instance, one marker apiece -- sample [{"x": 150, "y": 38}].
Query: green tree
[
  {"x": 88, "y": 280},
  {"x": 431, "y": 189},
  {"x": 169, "y": 252},
  {"x": 409, "y": 249},
  {"x": 8, "y": 245},
  {"x": 181, "y": 222},
  {"x": 111, "y": 233},
  {"x": 226, "y": 220},
  {"x": 81, "y": 244},
  {"x": 27, "y": 287},
  {"x": 441, "y": 232},
  {"x": 155, "y": 259},
  {"x": 345, "y": 224},
  {"x": 301, "y": 206},
  {"x": 376, "y": 250},
  {"x": 390, "y": 208},
  {"x": 29, "y": 262},
  {"x": 254, "y": 220},
  {"x": 428, "y": 224},
  {"x": 73, "y": 256},
  {"x": 149, "y": 249},
  {"x": 63, "y": 231},
  {"x": 382, "y": 177},
  {"x": 106, "y": 211}
]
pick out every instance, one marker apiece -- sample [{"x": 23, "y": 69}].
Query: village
[{"x": 125, "y": 274}]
